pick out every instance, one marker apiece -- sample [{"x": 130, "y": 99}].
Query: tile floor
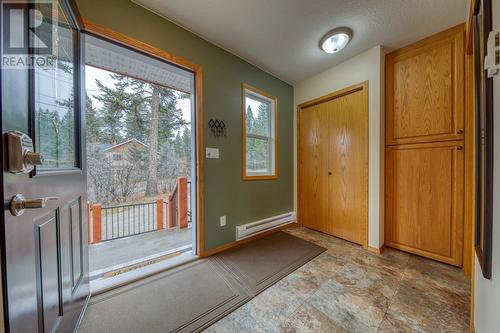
[{"x": 348, "y": 289}]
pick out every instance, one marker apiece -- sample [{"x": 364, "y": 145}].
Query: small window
[{"x": 260, "y": 112}]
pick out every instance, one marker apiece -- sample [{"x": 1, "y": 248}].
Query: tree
[
  {"x": 152, "y": 180},
  {"x": 171, "y": 166},
  {"x": 186, "y": 143},
  {"x": 110, "y": 183},
  {"x": 249, "y": 120},
  {"x": 55, "y": 126},
  {"x": 165, "y": 118},
  {"x": 170, "y": 116},
  {"x": 93, "y": 121},
  {"x": 137, "y": 118},
  {"x": 257, "y": 149},
  {"x": 114, "y": 106}
]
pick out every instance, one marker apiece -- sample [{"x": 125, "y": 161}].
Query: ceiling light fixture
[{"x": 335, "y": 40}]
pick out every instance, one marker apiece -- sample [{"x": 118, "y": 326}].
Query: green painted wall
[{"x": 225, "y": 192}]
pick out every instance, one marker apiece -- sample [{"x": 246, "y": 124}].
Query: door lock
[
  {"x": 19, "y": 203},
  {"x": 20, "y": 155}
]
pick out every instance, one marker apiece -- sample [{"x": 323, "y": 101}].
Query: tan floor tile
[
  {"x": 309, "y": 319},
  {"x": 356, "y": 298},
  {"x": 238, "y": 321},
  {"x": 419, "y": 310},
  {"x": 436, "y": 274},
  {"x": 273, "y": 306}
]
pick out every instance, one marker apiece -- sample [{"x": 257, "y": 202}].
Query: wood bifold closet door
[
  {"x": 424, "y": 204},
  {"x": 334, "y": 165}
]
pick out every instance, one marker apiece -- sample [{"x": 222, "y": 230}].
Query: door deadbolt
[{"x": 20, "y": 155}]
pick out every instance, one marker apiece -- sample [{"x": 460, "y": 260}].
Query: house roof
[{"x": 126, "y": 143}]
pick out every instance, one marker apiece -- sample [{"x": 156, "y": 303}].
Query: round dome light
[{"x": 335, "y": 40}]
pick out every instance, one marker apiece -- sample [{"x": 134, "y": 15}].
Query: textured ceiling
[{"x": 282, "y": 36}]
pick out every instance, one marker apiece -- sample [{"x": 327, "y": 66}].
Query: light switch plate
[
  {"x": 212, "y": 152},
  {"x": 223, "y": 220}
]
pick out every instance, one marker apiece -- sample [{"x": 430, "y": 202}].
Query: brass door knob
[
  {"x": 19, "y": 203},
  {"x": 32, "y": 158}
]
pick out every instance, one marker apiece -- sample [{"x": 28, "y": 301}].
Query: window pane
[
  {"x": 54, "y": 103},
  {"x": 257, "y": 155},
  {"x": 257, "y": 116}
]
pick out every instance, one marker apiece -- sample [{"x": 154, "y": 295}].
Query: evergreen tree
[
  {"x": 48, "y": 125},
  {"x": 249, "y": 120},
  {"x": 262, "y": 121},
  {"x": 186, "y": 143},
  {"x": 257, "y": 149},
  {"x": 177, "y": 144},
  {"x": 114, "y": 106},
  {"x": 152, "y": 180},
  {"x": 137, "y": 119},
  {"x": 93, "y": 120}
]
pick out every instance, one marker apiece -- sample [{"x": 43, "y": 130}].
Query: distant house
[{"x": 118, "y": 153}]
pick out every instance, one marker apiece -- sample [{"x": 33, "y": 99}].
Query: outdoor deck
[{"x": 124, "y": 250}]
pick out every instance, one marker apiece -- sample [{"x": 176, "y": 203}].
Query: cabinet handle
[
  {"x": 460, "y": 147},
  {"x": 330, "y": 173},
  {"x": 460, "y": 131}
]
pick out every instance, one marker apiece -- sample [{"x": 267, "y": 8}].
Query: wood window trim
[
  {"x": 122, "y": 39},
  {"x": 244, "y": 88}
]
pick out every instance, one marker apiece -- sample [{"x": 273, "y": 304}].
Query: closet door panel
[
  {"x": 314, "y": 167},
  {"x": 348, "y": 166}
]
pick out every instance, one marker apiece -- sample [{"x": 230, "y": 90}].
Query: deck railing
[{"x": 113, "y": 222}]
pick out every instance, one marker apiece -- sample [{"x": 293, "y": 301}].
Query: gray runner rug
[
  {"x": 191, "y": 297},
  {"x": 264, "y": 261}
]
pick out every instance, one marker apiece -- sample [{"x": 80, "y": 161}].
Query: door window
[{"x": 54, "y": 102}]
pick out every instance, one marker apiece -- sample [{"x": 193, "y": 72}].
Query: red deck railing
[{"x": 113, "y": 222}]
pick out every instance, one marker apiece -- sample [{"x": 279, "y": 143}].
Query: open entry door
[{"x": 44, "y": 227}]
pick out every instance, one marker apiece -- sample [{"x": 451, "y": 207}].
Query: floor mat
[
  {"x": 193, "y": 296},
  {"x": 262, "y": 262}
]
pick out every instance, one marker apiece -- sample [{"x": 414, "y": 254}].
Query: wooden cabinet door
[
  {"x": 424, "y": 204},
  {"x": 348, "y": 167},
  {"x": 425, "y": 90},
  {"x": 314, "y": 167}
]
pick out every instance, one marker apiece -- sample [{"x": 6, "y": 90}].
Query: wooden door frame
[
  {"x": 130, "y": 42},
  {"x": 363, "y": 86}
]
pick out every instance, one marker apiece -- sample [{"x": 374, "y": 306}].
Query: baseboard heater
[{"x": 254, "y": 228}]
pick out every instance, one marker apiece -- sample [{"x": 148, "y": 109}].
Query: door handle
[{"x": 19, "y": 203}]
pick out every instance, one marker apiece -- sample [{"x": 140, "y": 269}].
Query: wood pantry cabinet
[{"x": 424, "y": 171}]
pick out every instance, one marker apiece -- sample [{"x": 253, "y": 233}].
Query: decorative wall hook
[{"x": 218, "y": 127}]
